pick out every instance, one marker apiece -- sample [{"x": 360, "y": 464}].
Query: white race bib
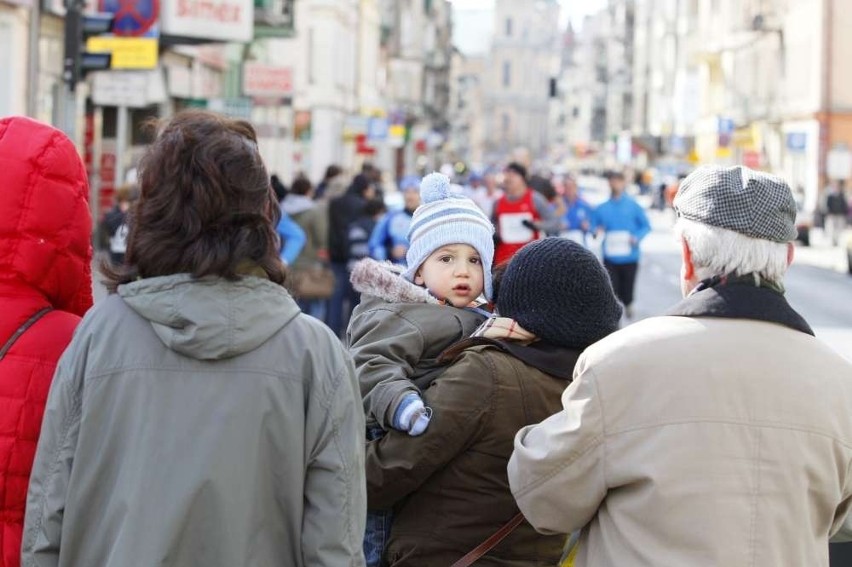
[
  {"x": 118, "y": 241},
  {"x": 512, "y": 230},
  {"x": 618, "y": 243},
  {"x": 577, "y": 236}
]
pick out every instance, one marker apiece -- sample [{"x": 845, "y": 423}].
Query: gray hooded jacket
[{"x": 199, "y": 422}]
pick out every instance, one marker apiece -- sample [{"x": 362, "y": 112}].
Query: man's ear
[
  {"x": 791, "y": 253},
  {"x": 686, "y": 260}
]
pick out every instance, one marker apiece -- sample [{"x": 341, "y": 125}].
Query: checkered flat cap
[{"x": 737, "y": 198}]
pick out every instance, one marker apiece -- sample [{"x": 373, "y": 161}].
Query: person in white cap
[{"x": 718, "y": 434}]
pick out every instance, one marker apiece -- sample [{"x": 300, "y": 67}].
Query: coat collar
[
  {"x": 557, "y": 361},
  {"x": 741, "y": 297},
  {"x": 384, "y": 281}
]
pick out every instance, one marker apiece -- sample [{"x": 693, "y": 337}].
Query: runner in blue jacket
[{"x": 624, "y": 224}]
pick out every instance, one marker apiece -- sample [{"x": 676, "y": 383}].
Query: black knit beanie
[{"x": 559, "y": 291}]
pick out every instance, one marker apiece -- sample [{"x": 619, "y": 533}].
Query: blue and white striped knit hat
[{"x": 445, "y": 218}]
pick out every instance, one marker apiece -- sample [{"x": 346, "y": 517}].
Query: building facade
[
  {"x": 524, "y": 56},
  {"x": 757, "y": 82}
]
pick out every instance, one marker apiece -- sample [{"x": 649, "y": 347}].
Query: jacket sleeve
[
  {"x": 550, "y": 222},
  {"x": 292, "y": 237},
  {"x": 556, "y": 471},
  {"x": 335, "y": 501},
  {"x": 48, "y": 489},
  {"x": 378, "y": 238},
  {"x": 461, "y": 399},
  {"x": 386, "y": 347}
]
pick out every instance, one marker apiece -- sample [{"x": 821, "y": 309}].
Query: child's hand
[{"x": 412, "y": 416}]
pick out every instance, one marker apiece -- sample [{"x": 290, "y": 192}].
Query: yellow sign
[
  {"x": 723, "y": 152},
  {"x": 127, "y": 52}
]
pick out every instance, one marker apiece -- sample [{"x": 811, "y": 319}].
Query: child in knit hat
[{"x": 408, "y": 316}]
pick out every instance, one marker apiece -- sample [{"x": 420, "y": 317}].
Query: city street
[{"x": 822, "y": 296}]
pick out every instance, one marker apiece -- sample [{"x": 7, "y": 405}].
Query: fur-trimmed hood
[{"x": 384, "y": 281}]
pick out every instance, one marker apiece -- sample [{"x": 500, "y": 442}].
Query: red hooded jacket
[{"x": 45, "y": 261}]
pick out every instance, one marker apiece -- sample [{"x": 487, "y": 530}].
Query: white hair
[{"x": 718, "y": 251}]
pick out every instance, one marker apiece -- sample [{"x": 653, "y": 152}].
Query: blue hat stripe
[{"x": 445, "y": 213}]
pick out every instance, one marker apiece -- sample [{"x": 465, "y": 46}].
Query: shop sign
[
  {"x": 214, "y": 20},
  {"x": 267, "y": 81},
  {"x": 797, "y": 141}
]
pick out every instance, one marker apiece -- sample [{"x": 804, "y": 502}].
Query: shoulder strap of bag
[
  {"x": 22, "y": 329},
  {"x": 490, "y": 543}
]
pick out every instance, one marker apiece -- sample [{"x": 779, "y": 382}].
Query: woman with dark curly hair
[{"x": 197, "y": 418}]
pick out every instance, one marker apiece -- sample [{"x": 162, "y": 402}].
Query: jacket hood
[
  {"x": 384, "y": 281},
  {"x": 295, "y": 204},
  {"x": 45, "y": 224},
  {"x": 211, "y": 318}
]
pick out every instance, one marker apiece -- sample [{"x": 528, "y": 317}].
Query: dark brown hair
[
  {"x": 301, "y": 185},
  {"x": 205, "y": 206}
]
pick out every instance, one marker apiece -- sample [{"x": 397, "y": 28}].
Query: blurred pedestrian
[
  {"x": 278, "y": 187},
  {"x": 521, "y": 215},
  {"x": 342, "y": 213},
  {"x": 45, "y": 287},
  {"x": 835, "y": 210},
  {"x": 579, "y": 214},
  {"x": 292, "y": 238},
  {"x": 197, "y": 418},
  {"x": 488, "y": 194},
  {"x": 115, "y": 222},
  {"x": 332, "y": 172},
  {"x": 407, "y": 319},
  {"x": 312, "y": 218},
  {"x": 358, "y": 237},
  {"x": 374, "y": 174},
  {"x": 543, "y": 184},
  {"x": 389, "y": 240},
  {"x": 623, "y": 224},
  {"x": 719, "y": 434},
  {"x": 449, "y": 486}
]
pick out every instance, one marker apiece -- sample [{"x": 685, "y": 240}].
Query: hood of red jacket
[{"x": 45, "y": 224}]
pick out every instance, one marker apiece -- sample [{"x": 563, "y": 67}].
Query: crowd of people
[
  {"x": 484, "y": 406},
  {"x": 350, "y": 220}
]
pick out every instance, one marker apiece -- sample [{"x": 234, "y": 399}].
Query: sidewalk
[{"x": 821, "y": 254}]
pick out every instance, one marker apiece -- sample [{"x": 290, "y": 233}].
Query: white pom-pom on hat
[{"x": 434, "y": 187}]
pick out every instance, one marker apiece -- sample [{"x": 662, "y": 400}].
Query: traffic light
[{"x": 78, "y": 28}]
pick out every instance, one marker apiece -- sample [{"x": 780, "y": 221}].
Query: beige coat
[{"x": 695, "y": 441}]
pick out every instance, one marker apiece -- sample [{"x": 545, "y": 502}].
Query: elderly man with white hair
[{"x": 718, "y": 434}]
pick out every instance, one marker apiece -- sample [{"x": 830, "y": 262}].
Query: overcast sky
[{"x": 473, "y": 21}]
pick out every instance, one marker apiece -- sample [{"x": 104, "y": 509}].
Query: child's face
[{"x": 453, "y": 273}]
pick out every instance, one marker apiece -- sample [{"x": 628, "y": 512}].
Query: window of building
[
  {"x": 508, "y": 27},
  {"x": 507, "y": 122},
  {"x": 507, "y": 73}
]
